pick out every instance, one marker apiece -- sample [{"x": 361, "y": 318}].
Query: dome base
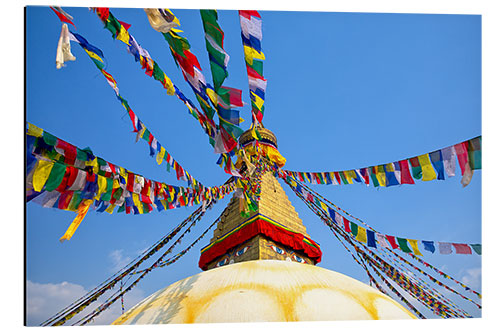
[{"x": 264, "y": 291}]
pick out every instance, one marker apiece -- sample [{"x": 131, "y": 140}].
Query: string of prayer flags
[
  {"x": 119, "y": 30},
  {"x": 425, "y": 167},
  {"x": 214, "y": 41},
  {"x": 223, "y": 98},
  {"x": 251, "y": 36},
  {"x": 382, "y": 240},
  {"x": 96, "y": 56},
  {"x": 228, "y": 129},
  {"x": 153, "y": 70},
  {"x": 432, "y": 300},
  {"x": 385, "y": 241},
  {"x": 63, "y": 176},
  {"x": 335, "y": 226},
  {"x": 83, "y": 302}
]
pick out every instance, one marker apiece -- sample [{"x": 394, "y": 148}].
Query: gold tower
[{"x": 280, "y": 234}]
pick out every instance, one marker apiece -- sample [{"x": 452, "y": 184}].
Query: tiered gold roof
[{"x": 275, "y": 205}]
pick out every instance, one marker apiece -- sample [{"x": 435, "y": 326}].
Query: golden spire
[{"x": 273, "y": 231}]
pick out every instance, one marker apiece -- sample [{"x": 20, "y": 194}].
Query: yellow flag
[
  {"x": 275, "y": 156},
  {"x": 428, "y": 172},
  {"x": 41, "y": 174},
  {"x": 169, "y": 84},
  {"x": 414, "y": 246},
  {"x": 164, "y": 203},
  {"x": 361, "y": 236},
  {"x": 34, "y": 131},
  {"x": 380, "y": 175},
  {"x": 160, "y": 156},
  {"x": 259, "y": 102},
  {"x": 101, "y": 186},
  {"x": 123, "y": 35},
  {"x": 352, "y": 174},
  {"x": 83, "y": 208},
  {"x": 323, "y": 205},
  {"x": 93, "y": 55},
  {"x": 110, "y": 209},
  {"x": 123, "y": 173},
  {"x": 137, "y": 203},
  {"x": 93, "y": 164},
  {"x": 347, "y": 176},
  {"x": 251, "y": 54},
  {"x": 212, "y": 95}
]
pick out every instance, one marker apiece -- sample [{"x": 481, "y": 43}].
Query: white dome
[{"x": 264, "y": 290}]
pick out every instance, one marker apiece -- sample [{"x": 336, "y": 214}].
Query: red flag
[
  {"x": 253, "y": 73},
  {"x": 406, "y": 177},
  {"x": 65, "y": 199},
  {"x": 64, "y": 17},
  {"x": 103, "y": 13},
  {"x": 249, "y": 13},
  {"x": 462, "y": 248},
  {"x": 392, "y": 241},
  {"x": 347, "y": 226},
  {"x": 130, "y": 182},
  {"x": 462, "y": 155},
  {"x": 234, "y": 96},
  {"x": 125, "y": 25},
  {"x": 337, "y": 177}
]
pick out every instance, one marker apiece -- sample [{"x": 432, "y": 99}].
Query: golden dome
[
  {"x": 264, "y": 291},
  {"x": 267, "y": 137}
]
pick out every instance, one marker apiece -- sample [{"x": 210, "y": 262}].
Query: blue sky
[{"x": 345, "y": 90}]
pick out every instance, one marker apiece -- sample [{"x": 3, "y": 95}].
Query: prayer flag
[
  {"x": 476, "y": 248},
  {"x": 437, "y": 162},
  {"x": 405, "y": 172},
  {"x": 362, "y": 234},
  {"x": 392, "y": 241},
  {"x": 55, "y": 177},
  {"x": 429, "y": 246},
  {"x": 428, "y": 172},
  {"x": 366, "y": 176},
  {"x": 63, "y": 52},
  {"x": 463, "y": 161},
  {"x": 381, "y": 239},
  {"x": 449, "y": 160},
  {"x": 354, "y": 229},
  {"x": 83, "y": 208},
  {"x": 370, "y": 235},
  {"x": 34, "y": 131},
  {"x": 397, "y": 171},
  {"x": 414, "y": 246},
  {"x": 474, "y": 150},
  {"x": 338, "y": 219},
  {"x": 63, "y": 16},
  {"x": 346, "y": 225},
  {"x": 160, "y": 156},
  {"x": 403, "y": 245},
  {"x": 41, "y": 174},
  {"x": 444, "y": 248},
  {"x": 390, "y": 174},
  {"x": 416, "y": 169},
  {"x": 462, "y": 248}
]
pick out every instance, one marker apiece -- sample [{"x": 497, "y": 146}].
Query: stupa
[{"x": 263, "y": 268}]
